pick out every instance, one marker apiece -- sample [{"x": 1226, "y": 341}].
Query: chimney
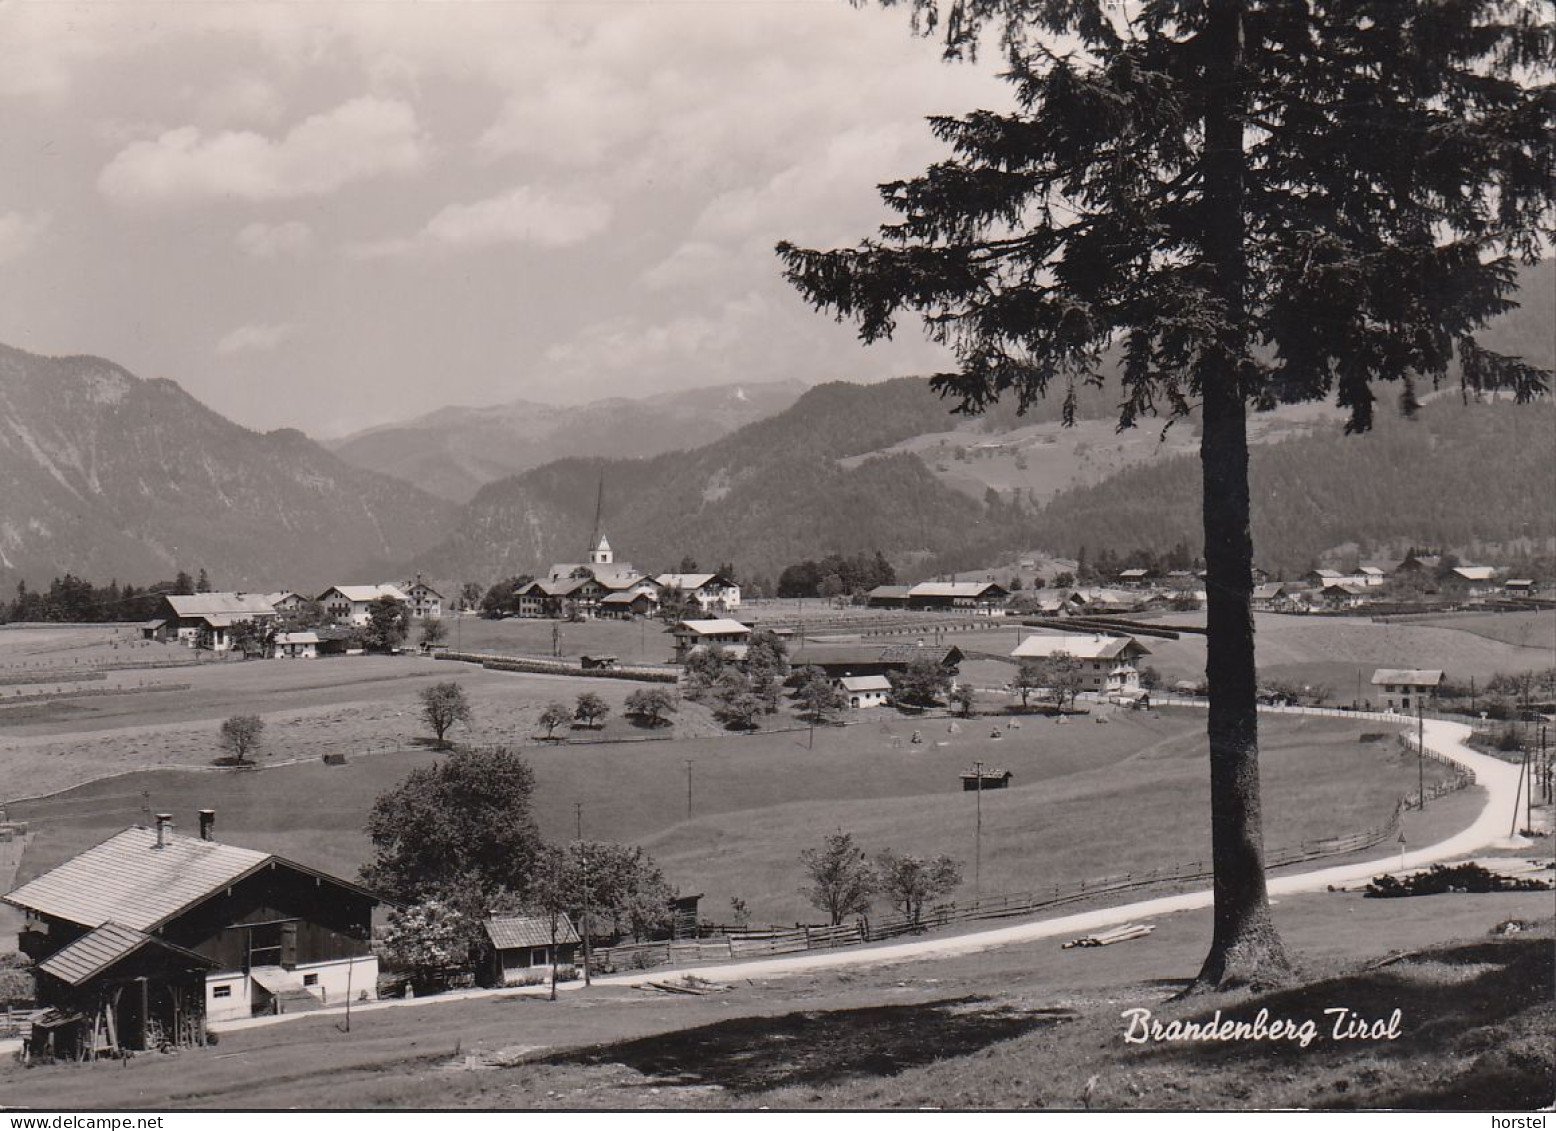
[
  {"x": 164, "y": 824},
  {"x": 207, "y": 824}
]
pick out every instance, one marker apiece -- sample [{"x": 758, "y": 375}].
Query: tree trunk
[{"x": 1245, "y": 949}]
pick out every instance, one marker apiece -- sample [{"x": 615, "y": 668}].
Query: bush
[{"x": 1444, "y": 878}]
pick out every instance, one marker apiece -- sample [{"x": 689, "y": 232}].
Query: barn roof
[
  {"x": 720, "y": 626},
  {"x": 866, "y": 683},
  {"x": 842, "y": 655},
  {"x": 1408, "y": 677},
  {"x": 356, "y": 593},
  {"x": 97, "y": 950},
  {"x": 297, "y": 637},
  {"x": 128, "y": 880},
  {"x": 1081, "y": 647},
  {"x": 511, "y": 931},
  {"x": 954, "y": 588},
  {"x": 195, "y": 605}
]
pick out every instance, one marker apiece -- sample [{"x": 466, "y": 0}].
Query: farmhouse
[
  {"x": 152, "y": 932},
  {"x": 555, "y": 597},
  {"x": 1407, "y": 688},
  {"x": 1520, "y": 587},
  {"x": 519, "y": 949},
  {"x": 692, "y": 635},
  {"x": 350, "y": 604},
  {"x": 296, "y": 645},
  {"x": 713, "y": 592},
  {"x": 841, "y": 661},
  {"x": 628, "y": 603},
  {"x": 1344, "y": 595},
  {"x": 865, "y": 690},
  {"x": 1474, "y": 581},
  {"x": 1107, "y": 662},
  {"x": 206, "y": 620},
  {"x": 425, "y": 602},
  {"x": 962, "y": 595},
  {"x": 286, "y": 602},
  {"x": 1272, "y": 596},
  {"x": 1134, "y": 578}
]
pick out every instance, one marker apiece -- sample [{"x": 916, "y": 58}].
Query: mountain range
[
  {"x": 109, "y": 475},
  {"x": 454, "y": 451}
]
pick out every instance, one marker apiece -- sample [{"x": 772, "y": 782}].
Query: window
[
  {"x": 537, "y": 957},
  {"x": 221, "y": 991},
  {"x": 310, "y": 979}
]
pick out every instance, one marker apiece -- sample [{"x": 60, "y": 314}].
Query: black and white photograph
[{"x": 777, "y": 558}]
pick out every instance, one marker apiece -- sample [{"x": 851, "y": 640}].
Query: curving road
[{"x": 1489, "y": 829}]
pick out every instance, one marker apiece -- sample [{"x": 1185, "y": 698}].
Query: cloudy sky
[{"x": 326, "y": 217}]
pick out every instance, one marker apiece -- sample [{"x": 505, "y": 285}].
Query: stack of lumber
[{"x": 1116, "y": 935}]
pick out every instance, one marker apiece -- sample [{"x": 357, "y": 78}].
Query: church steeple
[{"x": 601, "y": 554}]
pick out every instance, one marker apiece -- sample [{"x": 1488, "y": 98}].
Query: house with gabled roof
[
  {"x": 352, "y": 604},
  {"x": 722, "y": 632},
  {"x": 207, "y": 620},
  {"x": 713, "y": 592},
  {"x": 155, "y": 931},
  {"x": 981, "y": 596},
  {"x": 1108, "y": 663},
  {"x": 1407, "y": 689}
]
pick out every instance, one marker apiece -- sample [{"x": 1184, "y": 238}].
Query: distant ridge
[
  {"x": 110, "y": 476},
  {"x": 455, "y": 450}
]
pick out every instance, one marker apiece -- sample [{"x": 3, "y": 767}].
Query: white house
[
  {"x": 349, "y": 604},
  {"x": 425, "y": 602},
  {"x": 713, "y": 592},
  {"x": 1406, "y": 689},
  {"x": 729, "y": 635},
  {"x": 865, "y": 690},
  {"x": 1107, "y": 662},
  {"x": 296, "y": 645}
]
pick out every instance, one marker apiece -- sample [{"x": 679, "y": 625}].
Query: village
[{"x": 154, "y": 937}]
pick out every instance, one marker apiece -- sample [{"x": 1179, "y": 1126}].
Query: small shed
[
  {"x": 992, "y": 779},
  {"x": 599, "y": 663},
  {"x": 519, "y": 947},
  {"x": 684, "y": 916}
]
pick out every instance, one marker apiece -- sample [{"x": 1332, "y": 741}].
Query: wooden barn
[
  {"x": 148, "y": 935},
  {"x": 992, "y": 779}
]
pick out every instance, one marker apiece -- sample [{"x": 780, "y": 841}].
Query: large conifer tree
[{"x": 1254, "y": 202}]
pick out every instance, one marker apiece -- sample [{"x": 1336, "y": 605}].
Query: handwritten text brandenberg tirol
[{"x": 1340, "y": 1024}]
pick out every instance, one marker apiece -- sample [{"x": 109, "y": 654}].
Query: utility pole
[
  {"x": 688, "y": 789},
  {"x": 978, "y": 836},
  {"x": 1420, "y": 755},
  {"x": 578, "y": 820}
]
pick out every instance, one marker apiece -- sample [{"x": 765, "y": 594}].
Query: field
[
  {"x": 1332, "y": 652},
  {"x": 1031, "y": 1026},
  {"x": 1088, "y": 799}
]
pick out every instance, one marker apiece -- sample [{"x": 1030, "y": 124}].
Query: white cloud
[
  {"x": 256, "y": 337},
  {"x": 20, "y": 233},
  {"x": 361, "y": 139},
  {"x": 525, "y": 215},
  {"x": 290, "y": 239},
  {"x": 239, "y": 98},
  {"x": 694, "y": 262}
]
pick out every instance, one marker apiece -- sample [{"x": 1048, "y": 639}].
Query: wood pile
[{"x": 1116, "y": 935}]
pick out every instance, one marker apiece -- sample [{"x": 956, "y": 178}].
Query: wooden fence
[
  {"x": 736, "y": 943},
  {"x": 538, "y": 666}
]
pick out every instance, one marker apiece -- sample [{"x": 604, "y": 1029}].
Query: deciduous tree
[
  {"x": 923, "y": 683},
  {"x": 1255, "y": 202},
  {"x": 590, "y": 709},
  {"x": 650, "y": 705},
  {"x": 842, "y": 880},
  {"x": 442, "y": 706},
  {"x": 816, "y": 696},
  {"x": 388, "y": 621},
  {"x": 553, "y": 716},
  {"x": 459, "y": 829},
  {"x": 911, "y": 881},
  {"x": 241, "y": 736}
]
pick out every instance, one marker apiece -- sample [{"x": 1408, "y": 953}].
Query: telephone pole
[
  {"x": 688, "y": 789},
  {"x": 978, "y": 836},
  {"x": 1420, "y": 755}
]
